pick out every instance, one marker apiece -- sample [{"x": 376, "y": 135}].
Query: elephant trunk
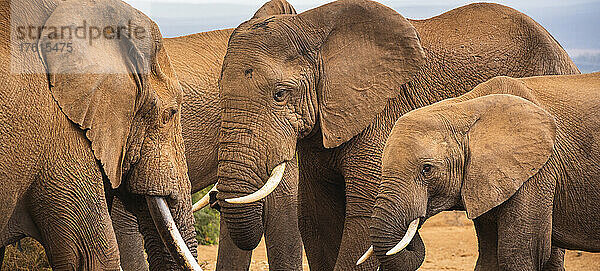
[
  {"x": 165, "y": 219},
  {"x": 244, "y": 221},
  {"x": 251, "y": 165},
  {"x": 172, "y": 238},
  {"x": 410, "y": 258},
  {"x": 394, "y": 230},
  {"x": 167, "y": 225},
  {"x": 169, "y": 235}
]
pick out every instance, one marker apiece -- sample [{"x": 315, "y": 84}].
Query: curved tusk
[
  {"x": 204, "y": 201},
  {"x": 165, "y": 225},
  {"x": 408, "y": 236},
  {"x": 270, "y": 185},
  {"x": 365, "y": 256}
]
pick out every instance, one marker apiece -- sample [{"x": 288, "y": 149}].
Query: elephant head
[
  {"x": 472, "y": 154},
  {"x": 117, "y": 85},
  {"x": 325, "y": 73}
]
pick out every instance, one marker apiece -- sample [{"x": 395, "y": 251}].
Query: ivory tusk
[
  {"x": 270, "y": 185},
  {"x": 165, "y": 225},
  {"x": 408, "y": 236},
  {"x": 204, "y": 201},
  {"x": 365, "y": 256}
]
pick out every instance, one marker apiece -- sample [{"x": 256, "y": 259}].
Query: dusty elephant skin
[
  {"x": 519, "y": 155},
  {"x": 329, "y": 84},
  {"x": 197, "y": 61},
  {"x": 101, "y": 118}
]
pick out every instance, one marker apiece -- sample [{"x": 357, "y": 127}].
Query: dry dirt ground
[{"x": 450, "y": 244}]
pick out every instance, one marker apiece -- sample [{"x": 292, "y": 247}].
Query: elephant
[
  {"x": 90, "y": 111},
  {"x": 323, "y": 88},
  {"x": 515, "y": 154},
  {"x": 197, "y": 60}
]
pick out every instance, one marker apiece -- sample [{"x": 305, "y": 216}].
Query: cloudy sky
[
  {"x": 574, "y": 23},
  {"x": 402, "y": 2}
]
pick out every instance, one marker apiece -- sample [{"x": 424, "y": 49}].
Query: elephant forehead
[
  {"x": 263, "y": 59},
  {"x": 417, "y": 138},
  {"x": 279, "y": 37},
  {"x": 247, "y": 79},
  {"x": 418, "y": 124},
  {"x": 255, "y": 76},
  {"x": 272, "y": 43},
  {"x": 414, "y": 144},
  {"x": 264, "y": 27}
]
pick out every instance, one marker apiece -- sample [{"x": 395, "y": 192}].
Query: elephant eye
[
  {"x": 280, "y": 95},
  {"x": 426, "y": 170},
  {"x": 169, "y": 114}
]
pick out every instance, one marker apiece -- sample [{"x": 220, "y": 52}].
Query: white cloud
[{"x": 583, "y": 52}]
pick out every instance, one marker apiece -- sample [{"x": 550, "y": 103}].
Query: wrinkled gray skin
[
  {"x": 519, "y": 155},
  {"x": 329, "y": 84},
  {"x": 197, "y": 60},
  {"x": 79, "y": 127}
]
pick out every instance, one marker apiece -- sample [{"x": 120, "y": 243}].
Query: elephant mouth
[
  {"x": 161, "y": 216},
  {"x": 170, "y": 235},
  {"x": 270, "y": 185},
  {"x": 405, "y": 243},
  {"x": 413, "y": 227}
]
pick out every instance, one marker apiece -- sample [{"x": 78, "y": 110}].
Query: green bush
[
  {"x": 207, "y": 222},
  {"x": 29, "y": 255}
]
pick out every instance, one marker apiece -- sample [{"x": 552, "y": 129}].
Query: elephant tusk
[
  {"x": 165, "y": 225},
  {"x": 408, "y": 236},
  {"x": 365, "y": 256},
  {"x": 270, "y": 185},
  {"x": 204, "y": 201}
]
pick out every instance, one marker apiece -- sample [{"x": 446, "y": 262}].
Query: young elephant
[{"x": 519, "y": 155}]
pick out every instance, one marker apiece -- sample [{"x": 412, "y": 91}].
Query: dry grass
[{"x": 449, "y": 237}]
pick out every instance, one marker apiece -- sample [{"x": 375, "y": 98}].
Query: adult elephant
[
  {"x": 329, "y": 84},
  {"x": 197, "y": 61},
  {"x": 83, "y": 114}
]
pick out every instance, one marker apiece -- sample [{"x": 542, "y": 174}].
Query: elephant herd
[{"x": 339, "y": 130}]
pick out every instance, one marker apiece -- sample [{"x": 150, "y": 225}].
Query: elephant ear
[
  {"x": 274, "y": 7},
  {"x": 509, "y": 142},
  {"x": 96, "y": 81},
  {"x": 368, "y": 52}
]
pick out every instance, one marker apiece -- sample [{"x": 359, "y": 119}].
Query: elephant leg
[
  {"x": 282, "y": 236},
  {"x": 487, "y": 240},
  {"x": 129, "y": 238},
  {"x": 525, "y": 227},
  {"x": 556, "y": 261},
  {"x": 230, "y": 257},
  {"x": 321, "y": 212}
]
